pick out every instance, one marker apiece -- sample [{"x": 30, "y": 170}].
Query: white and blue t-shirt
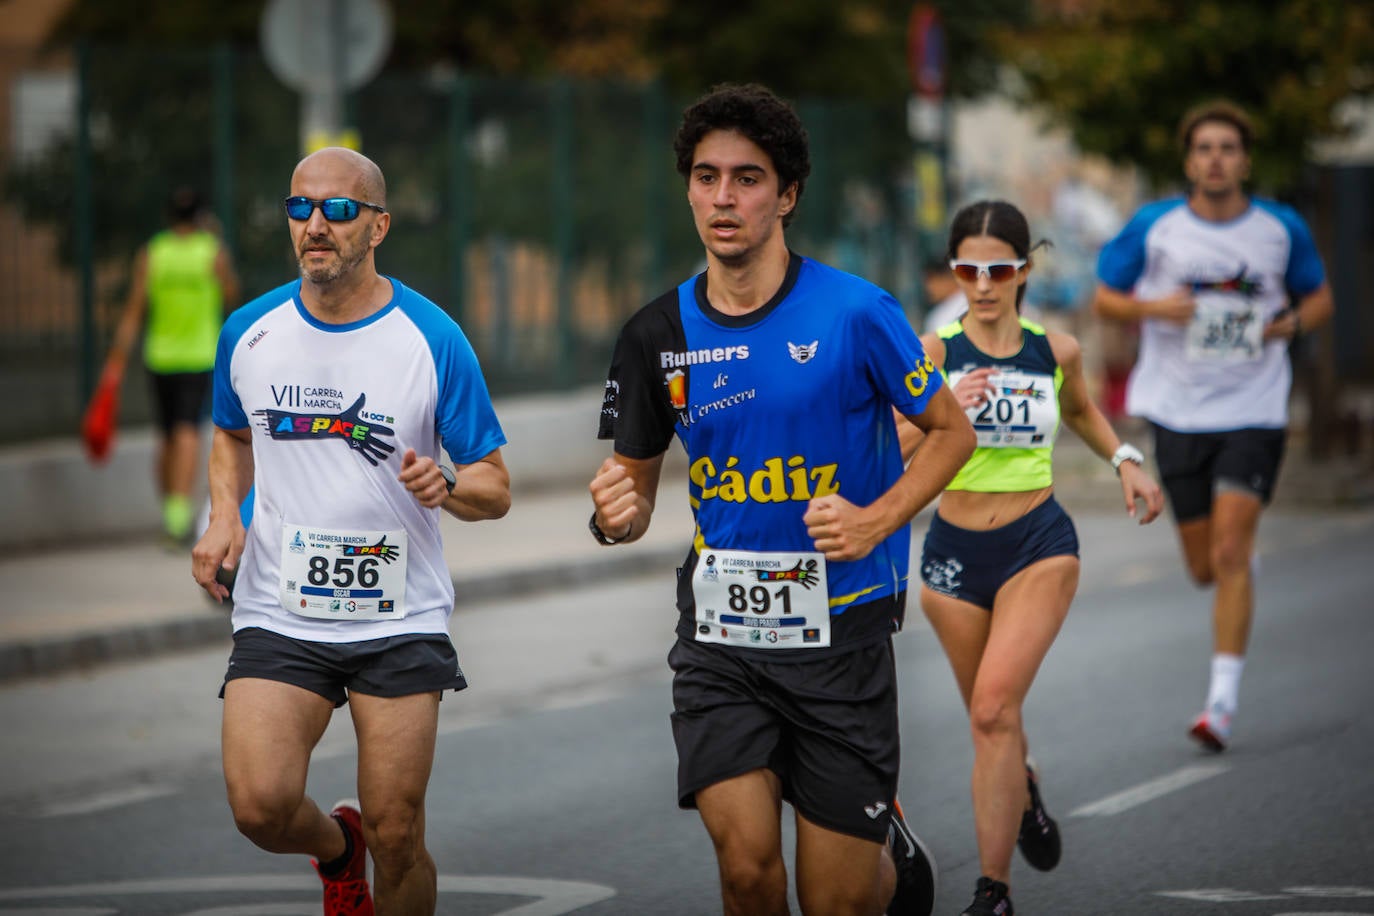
[
  {"x": 1215, "y": 373},
  {"x": 789, "y": 402},
  {"x": 332, "y": 409}
]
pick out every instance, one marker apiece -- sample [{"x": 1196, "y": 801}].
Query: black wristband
[{"x": 601, "y": 536}]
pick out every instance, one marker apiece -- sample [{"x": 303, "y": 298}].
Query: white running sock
[{"x": 1224, "y": 691}]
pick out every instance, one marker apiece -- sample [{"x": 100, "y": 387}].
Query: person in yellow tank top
[
  {"x": 1000, "y": 562},
  {"x": 182, "y": 281}
]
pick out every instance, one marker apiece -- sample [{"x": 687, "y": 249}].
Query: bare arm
[
  {"x": 1177, "y": 307},
  {"x": 844, "y": 531},
  {"x": 1077, "y": 410},
  {"x": 481, "y": 489},
  {"x": 131, "y": 317},
  {"x": 231, "y": 477},
  {"x": 228, "y": 278},
  {"x": 1312, "y": 311},
  {"x": 624, "y": 491}
]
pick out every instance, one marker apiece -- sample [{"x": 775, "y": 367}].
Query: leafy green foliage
[{"x": 1120, "y": 75}]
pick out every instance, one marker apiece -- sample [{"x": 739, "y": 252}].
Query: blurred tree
[
  {"x": 1120, "y": 75},
  {"x": 799, "y": 47},
  {"x": 803, "y": 48}
]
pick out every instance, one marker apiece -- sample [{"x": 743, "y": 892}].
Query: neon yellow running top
[
  {"x": 1016, "y": 426},
  {"x": 185, "y": 303}
]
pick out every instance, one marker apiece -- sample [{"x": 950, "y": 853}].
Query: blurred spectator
[{"x": 183, "y": 279}]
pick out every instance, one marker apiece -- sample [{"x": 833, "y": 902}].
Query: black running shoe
[
  {"x": 1039, "y": 838},
  {"x": 990, "y": 899},
  {"x": 916, "y": 872}
]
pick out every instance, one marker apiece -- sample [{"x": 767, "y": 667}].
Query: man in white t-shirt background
[{"x": 1221, "y": 282}]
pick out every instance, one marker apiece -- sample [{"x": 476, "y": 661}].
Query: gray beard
[{"x": 325, "y": 275}]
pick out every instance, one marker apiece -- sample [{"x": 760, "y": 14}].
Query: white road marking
[
  {"x": 103, "y": 801},
  {"x": 1330, "y": 891},
  {"x": 554, "y": 898},
  {"x": 1232, "y": 895},
  {"x": 1219, "y": 895},
  {"x": 1149, "y": 791}
]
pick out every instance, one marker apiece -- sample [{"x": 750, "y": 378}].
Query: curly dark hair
[{"x": 757, "y": 113}]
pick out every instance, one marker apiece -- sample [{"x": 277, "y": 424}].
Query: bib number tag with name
[
  {"x": 1021, "y": 411},
  {"x": 762, "y": 599},
  {"x": 343, "y": 575},
  {"x": 1223, "y": 332}
]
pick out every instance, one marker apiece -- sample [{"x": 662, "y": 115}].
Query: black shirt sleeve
[{"x": 635, "y": 409}]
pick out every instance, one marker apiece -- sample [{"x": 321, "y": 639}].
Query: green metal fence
[{"x": 540, "y": 214}]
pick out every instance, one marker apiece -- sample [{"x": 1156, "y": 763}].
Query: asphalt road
[{"x": 553, "y": 790}]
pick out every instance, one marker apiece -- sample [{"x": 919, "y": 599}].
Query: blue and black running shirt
[{"x": 774, "y": 408}]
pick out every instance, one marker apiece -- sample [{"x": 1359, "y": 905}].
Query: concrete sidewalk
[
  {"x": 83, "y": 580},
  {"x": 90, "y": 604}
]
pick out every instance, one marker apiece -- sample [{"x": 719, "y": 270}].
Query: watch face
[{"x": 449, "y": 477}]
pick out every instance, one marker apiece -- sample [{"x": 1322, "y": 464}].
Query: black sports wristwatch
[
  {"x": 602, "y": 537},
  {"x": 450, "y": 477}
]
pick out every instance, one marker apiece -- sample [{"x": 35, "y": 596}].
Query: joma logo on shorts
[{"x": 778, "y": 481}]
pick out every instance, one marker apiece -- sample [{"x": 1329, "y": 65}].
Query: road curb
[{"x": 208, "y": 623}]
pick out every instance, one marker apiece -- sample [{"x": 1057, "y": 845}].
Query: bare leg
[
  {"x": 840, "y": 874},
  {"x": 396, "y": 737},
  {"x": 268, "y": 732},
  {"x": 995, "y": 658},
  {"x": 743, "y": 816},
  {"x": 1235, "y": 522}
]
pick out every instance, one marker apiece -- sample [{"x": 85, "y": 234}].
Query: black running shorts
[
  {"x": 393, "y": 666},
  {"x": 1193, "y": 466},
  {"x": 827, "y": 728},
  {"x": 974, "y": 565},
  {"x": 180, "y": 398}
]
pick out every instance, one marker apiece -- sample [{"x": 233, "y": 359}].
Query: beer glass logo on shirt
[
  {"x": 677, "y": 388},
  {"x": 346, "y": 426}
]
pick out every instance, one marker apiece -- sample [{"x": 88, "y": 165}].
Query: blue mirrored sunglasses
[{"x": 334, "y": 209}]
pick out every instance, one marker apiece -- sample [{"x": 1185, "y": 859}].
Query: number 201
[{"x": 1005, "y": 411}]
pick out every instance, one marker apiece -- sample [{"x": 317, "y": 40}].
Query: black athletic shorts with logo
[
  {"x": 827, "y": 728},
  {"x": 1193, "y": 466},
  {"x": 974, "y": 565},
  {"x": 393, "y": 666},
  {"x": 180, "y": 397}
]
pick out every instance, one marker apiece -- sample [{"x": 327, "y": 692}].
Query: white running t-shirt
[
  {"x": 1214, "y": 374},
  {"x": 332, "y": 410}
]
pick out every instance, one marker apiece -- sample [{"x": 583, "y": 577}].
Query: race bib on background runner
[
  {"x": 762, "y": 599},
  {"x": 335, "y": 574},
  {"x": 1224, "y": 330}
]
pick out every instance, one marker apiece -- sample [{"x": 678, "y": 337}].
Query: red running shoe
[
  {"x": 346, "y": 893},
  {"x": 1212, "y": 730}
]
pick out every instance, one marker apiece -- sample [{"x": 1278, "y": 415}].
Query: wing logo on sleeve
[{"x": 346, "y": 426}]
